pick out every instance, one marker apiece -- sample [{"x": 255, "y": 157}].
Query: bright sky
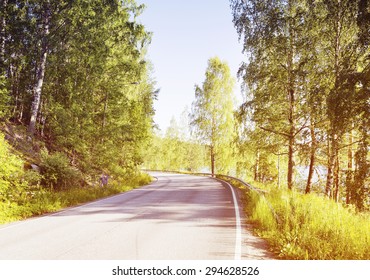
[{"x": 186, "y": 33}]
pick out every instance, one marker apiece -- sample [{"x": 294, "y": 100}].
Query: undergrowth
[
  {"x": 309, "y": 226},
  {"x": 44, "y": 201}
]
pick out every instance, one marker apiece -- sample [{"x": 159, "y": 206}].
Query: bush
[
  {"x": 4, "y": 97},
  {"x": 310, "y": 226},
  {"x": 11, "y": 169},
  {"x": 57, "y": 172},
  {"x": 138, "y": 179}
]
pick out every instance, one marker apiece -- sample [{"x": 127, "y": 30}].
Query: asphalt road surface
[{"x": 178, "y": 217}]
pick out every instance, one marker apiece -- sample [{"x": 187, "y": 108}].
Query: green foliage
[
  {"x": 176, "y": 150},
  {"x": 306, "y": 102},
  {"x": 139, "y": 179},
  {"x": 16, "y": 184},
  {"x": 57, "y": 172},
  {"x": 105, "y": 102},
  {"x": 309, "y": 226},
  {"x": 4, "y": 97},
  {"x": 96, "y": 100},
  {"x": 11, "y": 169},
  {"x": 212, "y": 116},
  {"x": 87, "y": 58},
  {"x": 173, "y": 153},
  {"x": 46, "y": 201}
]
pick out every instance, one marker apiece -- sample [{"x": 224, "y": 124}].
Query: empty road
[{"x": 178, "y": 217}]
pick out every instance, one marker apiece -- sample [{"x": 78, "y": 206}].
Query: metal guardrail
[
  {"x": 249, "y": 186},
  {"x": 257, "y": 190}
]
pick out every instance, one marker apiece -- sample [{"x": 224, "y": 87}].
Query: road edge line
[{"x": 238, "y": 234}]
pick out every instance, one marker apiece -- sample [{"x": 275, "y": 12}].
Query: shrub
[
  {"x": 11, "y": 169},
  {"x": 4, "y": 97},
  {"x": 310, "y": 226},
  {"x": 45, "y": 201},
  {"x": 57, "y": 172}
]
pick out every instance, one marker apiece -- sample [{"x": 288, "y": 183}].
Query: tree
[
  {"x": 212, "y": 116},
  {"x": 75, "y": 73},
  {"x": 3, "y": 22},
  {"x": 44, "y": 30},
  {"x": 342, "y": 63},
  {"x": 306, "y": 85},
  {"x": 275, "y": 41}
]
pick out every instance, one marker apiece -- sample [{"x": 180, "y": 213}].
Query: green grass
[
  {"x": 309, "y": 226},
  {"x": 43, "y": 201}
]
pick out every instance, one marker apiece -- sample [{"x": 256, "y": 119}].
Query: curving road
[{"x": 175, "y": 218}]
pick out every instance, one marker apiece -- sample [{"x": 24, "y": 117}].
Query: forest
[
  {"x": 76, "y": 95},
  {"x": 308, "y": 90}
]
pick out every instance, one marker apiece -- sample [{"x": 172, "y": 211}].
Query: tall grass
[
  {"x": 45, "y": 201},
  {"x": 309, "y": 226}
]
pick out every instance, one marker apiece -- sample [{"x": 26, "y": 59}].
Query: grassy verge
[
  {"x": 44, "y": 201},
  {"x": 309, "y": 226}
]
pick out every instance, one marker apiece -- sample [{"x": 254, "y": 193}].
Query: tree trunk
[
  {"x": 40, "y": 69},
  {"x": 290, "y": 164},
  {"x": 256, "y": 166},
  {"x": 212, "y": 161},
  {"x": 42, "y": 117},
  {"x": 278, "y": 168},
  {"x": 333, "y": 129},
  {"x": 362, "y": 165},
  {"x": 312, "y": 158},
  {"x": 349, "y": 177},
  {"x": 3, "y": 34},
  {"x": 105, "y": 110},
  {"x": 37, "y": 94},
  {"x": 290, "y": 175},
  {"x": 329, "y": 175},
  {"x": 332, "y": 154},
  {"x": 336, "y": 178},
  {"x": 336, "y": 138},
  {"x": 291, "y": 97}
]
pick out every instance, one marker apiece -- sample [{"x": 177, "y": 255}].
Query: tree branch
[
  {"x": 348, "y": 145},
  {"x": 274, "y": 131}
]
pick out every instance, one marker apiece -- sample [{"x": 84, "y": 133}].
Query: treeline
[
  {"x": 307, "y": 80},
  {"x": 74, "y": 73},
  {"x": 175, "y": 150}
]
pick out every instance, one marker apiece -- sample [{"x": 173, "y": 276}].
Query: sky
[{"x": 186, "y": 33}]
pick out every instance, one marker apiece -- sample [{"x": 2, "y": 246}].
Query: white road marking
[{"x": 238, "y": 235}]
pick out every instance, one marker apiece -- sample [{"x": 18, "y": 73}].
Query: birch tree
[
  {"x": 212, "y": 116},
  {"x": 274, "y": 41}
]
